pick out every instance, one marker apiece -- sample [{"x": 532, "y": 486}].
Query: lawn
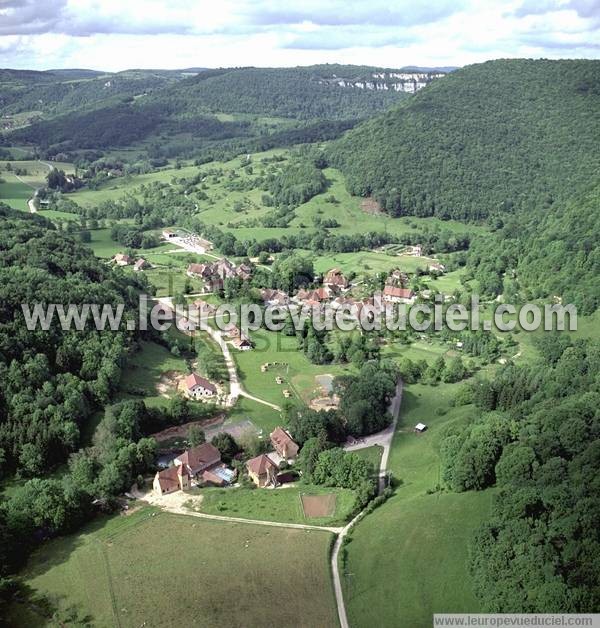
[
  {"x": 416, "y": 542},
  {"x": 158, "y": 570},
  {"x": 14, "y": 193},
  {"x": 282, "y": 504},
  {"x": 371, "y": 454},
  {"x": 144, "y": 371},
  {"x": 297, "y": 372},
  {"x": 264, "y": 417}
]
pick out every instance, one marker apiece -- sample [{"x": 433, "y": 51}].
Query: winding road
[{"x": 235, "y": 388}]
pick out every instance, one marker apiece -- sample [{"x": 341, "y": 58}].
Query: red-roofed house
[
  {"x": 198, "y": 387},
  {"x": 262, "y": 471},
  {"x": 394, "y": 294},
  {"x": 335, "y": 279},
  {"x": 176, "y": 478},
  {"x": 283, "y": 443},
  {"x": 199, "y": 459}
]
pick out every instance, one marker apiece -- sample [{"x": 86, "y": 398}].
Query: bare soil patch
[
  {"x": 169, "y": 382},
  {"x": 182, "y": 430},
  {"x": 370, "y": 206},
  {"x": 318, "y": 505}
]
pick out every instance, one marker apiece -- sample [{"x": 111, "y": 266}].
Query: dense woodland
[
  {"x": 538, "y": 441},
  {"x": 512, "y": 142}
]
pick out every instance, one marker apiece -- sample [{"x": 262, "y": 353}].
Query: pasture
[
  {"x": 296, "y": 371},
  {"x": 417, "y": 541},
  {"x": 119, "y": 571},
  {"x": 282, "y": 504}
]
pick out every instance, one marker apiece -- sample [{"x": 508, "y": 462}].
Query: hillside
[
  {"x": 320, "y": 91},
  {"x": 121, "y": 109},
  {"x": 499, "y": 136}
]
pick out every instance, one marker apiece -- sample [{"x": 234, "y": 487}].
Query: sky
[{"x": 115, "y": 35}]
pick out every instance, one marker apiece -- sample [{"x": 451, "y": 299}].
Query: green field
[
  {"x": 297, "y": 372},
  {"x": 14, "y": 193},
  {"x": 371, "y": 454},
  {"x": 408, "y": 559},
  {"x": 161, "y": 570},
  {"x": 282, "y": 504},
  {"x": 144, "y": 371}
]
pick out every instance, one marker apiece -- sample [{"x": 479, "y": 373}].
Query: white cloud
[{"x": 115, "y": 35}]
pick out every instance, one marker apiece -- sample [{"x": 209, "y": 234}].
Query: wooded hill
[
  {"x": 514, "y": 142},
  {"x": 120, "y": 109},
  {"x": 498, "y": 136}
]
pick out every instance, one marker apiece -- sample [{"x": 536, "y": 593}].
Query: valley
[{"x": 321, "y": 200}]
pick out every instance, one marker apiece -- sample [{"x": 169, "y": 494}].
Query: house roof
[
  {"x": 420, "y": 427},
  {"x": 260, "y": 465},
  {"x": 169, "y": 478},
  {"x": 394, "y": 291},
  {"x": 335, "y": 277},
  {"x": 122, "y": 257},
  {"x": 200, "y": 458},
  {"x": 197, "y": 269},
  {"x": 281, "y": 439},
  {"x": 193, "y": 380},
  {"x": 140, "y": 263}
]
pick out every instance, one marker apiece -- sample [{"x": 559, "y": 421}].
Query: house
[
  {"x": 175, "y": 478},
  {"x": 335, "y": 279},
  {"x": 242, "y": 342},
  {"x": 397, "y": 278},
  {"x": 140, "y": 264},
  {"x": 283, "y": 443},
  {"x": 262, "y": 471},
  {"x": 200, "y": 271},
  {"x": 198, "y": 387},
  {"x": 199, "y": 459},
  {"x": 168, "y": 234},
  {"x": 420, "y": 428},
  {"x": 436, "y": 267},
  {"x": 274, "y": 297},
  {"x": 122, "y": 259},
  {"x": 203, "y": 308},
  {"x": 394, "y": 294}
]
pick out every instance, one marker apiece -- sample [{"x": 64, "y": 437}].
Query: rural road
[
  {"x": 384, "y": 439},
  {"x": 235, "y": 388}
]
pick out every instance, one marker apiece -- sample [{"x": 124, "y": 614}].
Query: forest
[{"x": 536, "y": 438}]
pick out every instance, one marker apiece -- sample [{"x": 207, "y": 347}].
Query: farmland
[
  {"x": 430, "y": 528},
  {"x": 283, "y": 504},
  {"x": 121, "y": 572}
]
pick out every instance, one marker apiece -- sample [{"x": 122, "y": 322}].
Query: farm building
[
  {"x": 420, "y": 428},
  {"x": 394, "y": 294},
  {"x": 198, "y": 387},
  {"x": 122, "y": 259},
  {"x": 140, "y": 264},
  {"x": 173, "y": 479},
  {"x": 335, "y": 279}
]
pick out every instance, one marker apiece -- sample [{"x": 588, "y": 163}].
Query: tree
[
  {"x": 226, "y": 444},
  {"x": 195, "y": 436}
]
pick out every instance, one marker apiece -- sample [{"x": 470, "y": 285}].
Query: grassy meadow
[
  {"x": 145, "y": 569},
  {"x": 282, "y": 504},
  {"x": 415, "y": 543}
]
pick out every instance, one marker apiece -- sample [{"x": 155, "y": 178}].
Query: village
[{"x": 202, "y": 466}]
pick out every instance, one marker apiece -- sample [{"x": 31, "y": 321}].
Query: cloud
[
  {"x": 351, "y": 12},
  {"x": 582, "y": 8},
  {"x": 330, "y": 38}
]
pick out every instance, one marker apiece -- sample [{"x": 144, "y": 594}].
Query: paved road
[{"x": 383, "y": 438}]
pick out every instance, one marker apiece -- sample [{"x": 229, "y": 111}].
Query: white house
[{"x": 198, "y": 387}]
